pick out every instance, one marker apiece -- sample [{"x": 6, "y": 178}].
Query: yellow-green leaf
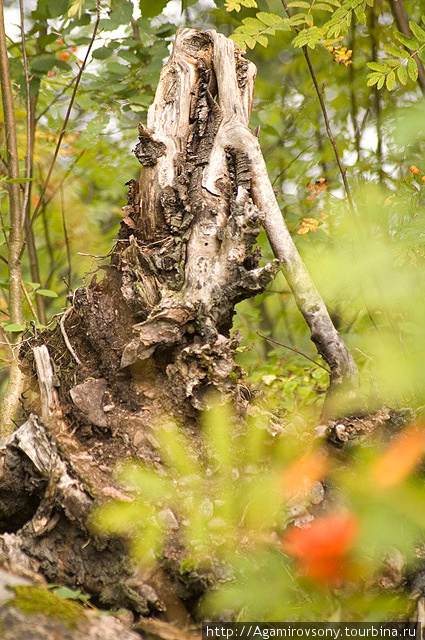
[
  {"x": 76, "y": 8},
  {"x": 402, "y": 74},
  {"x": 48, "y": 293},
  {"x": 299, "y": 4},
  {"x": 417, "y": 31},
  {"x": 412, "y": 69},
  {"x": 360, "y": 15},
  {"x": 270, "y": 19},
  {"x": 378, "y": 66},
  {"x": 390, "y": 82},
  {"x": 14, "y": 327},
  {"x": 263, "y": 40},
  {"x": 373, "y": 78}
]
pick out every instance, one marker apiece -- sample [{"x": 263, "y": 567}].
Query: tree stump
[{"x": 151, "y": 338}]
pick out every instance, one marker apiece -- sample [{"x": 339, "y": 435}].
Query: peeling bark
[{"x": 152, "y": 338}]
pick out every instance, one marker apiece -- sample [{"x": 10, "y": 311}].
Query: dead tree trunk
[{"x": 151, "y": 337}]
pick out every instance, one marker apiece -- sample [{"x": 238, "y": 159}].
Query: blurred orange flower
[
  {"x": 300, "y": 476},
  {"x": 321, "y": 550},
  {"x": 402, "y": 456}
]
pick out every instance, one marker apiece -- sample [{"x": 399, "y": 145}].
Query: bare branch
[
  {"x": 294, "y": 349},
  {"x": 342, "y": 169}
]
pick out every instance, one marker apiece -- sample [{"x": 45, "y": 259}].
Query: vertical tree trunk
[{"x": 152, "y": 337}]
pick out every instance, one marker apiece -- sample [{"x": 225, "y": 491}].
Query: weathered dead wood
[
  {"x": 234, "y": 134},
  {"x": 152, "y": 338},
  {"x": 16, "y": 624}
]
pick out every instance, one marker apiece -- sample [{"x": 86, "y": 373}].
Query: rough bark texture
[{"x": 149, "y": 338}]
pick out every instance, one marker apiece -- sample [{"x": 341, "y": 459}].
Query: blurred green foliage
[
  {"x": 245, "y": 501},
  {"x": 368, "y": 266}
]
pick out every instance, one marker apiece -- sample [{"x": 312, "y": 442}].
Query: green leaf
[
  {"x": 136, "y": 108},
  {"x": 402, "y": 74},
  {"x": 17, "y": 180},
  {"x": 152, "y": 8},
  {"x": 322, "y": 6},
  {"x": 117, "y": 69},
  {"x": 412, "y": 69},
  {"x": 299, "y": 20},
  {"x": 395, "y": 51},
  {"x": 270, "y": 19},
  {"x": 82, "y": 40},
  {"x": 43, "y": 63},
  {"x": 390, "y": 82},
  {"x": 232, "y": 5},
  {"x": 263, "y": 40},
  {"x": 58, "y": 8},
  {"x": 299, "y": 4},
  {"x": 15, "y": 328},
  {"x": 410, "y": 43},
  {"x": 381, "y": 82},
  {"x": 102, "y": 53},
  {"x": 373, "y": 78},
  {"x": 76, "y": 8},
  {"x": 80, "y": 21},
  {"x": 124, "y": 12},
  {"x": 47, "y": 293},
  {"x": 417, "y": 31},
  {"x": 33, "y": 285},
  {"x": 360, "y": 15},
  {"x": 250, "y": 42},
  {"x": 129, "y": 56},
  {"x": 61, "y": 64},
  {"x": 252, "y": 23},
  {"x": 43, "y": 41},
  {"x": 378, "y": 66},
  {"x": 121, "y": 15}
]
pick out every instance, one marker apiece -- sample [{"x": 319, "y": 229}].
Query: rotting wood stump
[{"x": 152, "y": 336}]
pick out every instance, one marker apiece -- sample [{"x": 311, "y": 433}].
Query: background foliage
[{"x": 360, "y": 86}]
